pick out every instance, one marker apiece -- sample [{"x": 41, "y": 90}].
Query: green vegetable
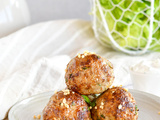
[
  {"x": 102, "y": 116},
  {"x": 87, "y": 100},
  {"x": 93, "y": 103},
  {"x": 133, "y": 23}
]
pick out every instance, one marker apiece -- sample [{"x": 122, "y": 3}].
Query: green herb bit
[
  {"x": 73, "y": 104},
  {"x": 102, "y": 116},
  {"x": 93, "y": 104},
  {"x": 66, "y": 80},
  {"x": 70, "y": 75},
  {"x": 84, "y": 68},
  {"x": 110, "y": 65},
  {"x": 84, "y": 109},
  {"x": 136, "y": 109}
]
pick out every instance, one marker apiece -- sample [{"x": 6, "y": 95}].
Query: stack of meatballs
[{"x": 89, "y": 74}]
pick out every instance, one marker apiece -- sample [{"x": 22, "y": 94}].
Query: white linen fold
[{"x": 46, "y": 74}]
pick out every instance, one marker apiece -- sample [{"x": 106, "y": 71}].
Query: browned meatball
[
  {"x": 115, "y": 104},
  {"x": 89, "y": 74},
  {"x": 66, "y": 105}
]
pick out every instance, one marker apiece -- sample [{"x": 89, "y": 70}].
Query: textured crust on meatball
[
  {"x": 66, "y": 105},
  {"x": 115, "y": 104},
  {"x": 89, "y": 74}
]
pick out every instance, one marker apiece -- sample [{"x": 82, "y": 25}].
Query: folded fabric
[
  {"x": 44, "y": 75},
  {"x": 27, "y": 62}
]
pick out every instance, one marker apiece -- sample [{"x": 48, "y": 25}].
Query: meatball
[
  {"x": 115, "y": 104},
  {"x": 89, "y": 73},
  {"x": 66, "y": 105}
]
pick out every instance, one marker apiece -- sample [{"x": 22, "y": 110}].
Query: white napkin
[{"x": 44, "y": 75}]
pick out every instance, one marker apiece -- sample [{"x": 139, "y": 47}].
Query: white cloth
[
  {"x": 46, "y": 74},
  {"x": 33, "y": 59}
]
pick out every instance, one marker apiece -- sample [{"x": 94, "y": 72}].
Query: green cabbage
[{"x": 133, "y": 23}]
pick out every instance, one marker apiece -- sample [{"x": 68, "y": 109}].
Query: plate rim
[{"x": 132, "y": 91}]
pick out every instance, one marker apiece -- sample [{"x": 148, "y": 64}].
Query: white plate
[{"x": 148, "y": 104}]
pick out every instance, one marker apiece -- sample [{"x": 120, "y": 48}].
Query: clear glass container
[{"x": 14, "y": 14}]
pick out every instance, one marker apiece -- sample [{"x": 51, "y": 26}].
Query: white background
[{"x": 46, "y": 10}]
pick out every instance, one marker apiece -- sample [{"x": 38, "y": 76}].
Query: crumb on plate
[
  {"x": 34, "y": 117},
  {"x": 37, "y": 117}
]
